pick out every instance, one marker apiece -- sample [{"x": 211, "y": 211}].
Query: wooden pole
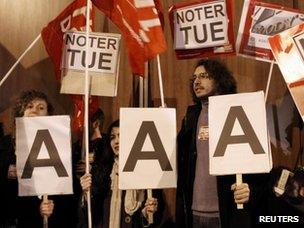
[
  {"x": 239, "y": 180},
  {"x": 86, "y": 113},
  {"x": 19, "y": 59},
  {"x": 268, "y": 80},
  {"x": 150, "y": 215},
  {"x": 45, "y": 218}
]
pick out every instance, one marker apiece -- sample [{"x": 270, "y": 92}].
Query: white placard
[
  {"x": 103, "y": 63},
  {"x": 201, "y": 26},
  {"x": 238, "y": 141},
  {"x": 150, "y": 135},
  {"x": 44, "y": 159}
]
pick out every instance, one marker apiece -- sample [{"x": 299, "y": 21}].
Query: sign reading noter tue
[
  {"x": 201, "y": 26},
  {"x": 238, "y": 140},
  {"x": 103, "y": 62}
]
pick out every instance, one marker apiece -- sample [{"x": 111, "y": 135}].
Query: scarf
[{"x": 133, "y": 199}]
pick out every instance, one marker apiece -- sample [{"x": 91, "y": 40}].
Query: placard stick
[
  {"x": 239, "y": 180},
  {"x": 20, "y": 58},
  {"x": 86, "y": 113},
  {"x": 161, "y": 90},
  {"x": 268, "y": 80},
  {"x": 150, "y": 215},
  {"x": 45, "y": 218}
]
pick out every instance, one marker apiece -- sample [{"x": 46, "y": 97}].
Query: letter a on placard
[
  {"x": 43, "y": 136},
  {"x": 159, "y": 153},
  {"x": 237, "y": 112}
]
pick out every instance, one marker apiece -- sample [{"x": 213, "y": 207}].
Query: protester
[
  {"x": 8, "y": 186},
  {"x": 112, "y": 207},
  {"x": 96, "y": 144},
  {"x": 204, "y": 200},
  {"x": 60, "y": 210}
]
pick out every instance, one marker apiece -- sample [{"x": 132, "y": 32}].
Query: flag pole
[
  {"x": 20, "y": 58},
  {"x": 160, "y": 83},
  {"x": 86, "y": 113},
  {"x": 268, "y": 80}
]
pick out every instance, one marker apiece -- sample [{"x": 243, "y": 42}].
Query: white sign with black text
[
  {"x": 147, "y": 156},
  {"x": 103, "y": 63},
  {"x": 44, "y": 158},
  {"x": 238, "y": 139},
  {"x": 201, "y": 26}
]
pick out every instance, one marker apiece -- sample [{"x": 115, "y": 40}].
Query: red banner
[
  {"x": 73, "y": 17},
  {"x": 140, "y": 26},
  {"x": 260, "y": 21},
  {"x": 202, "y": 28}
]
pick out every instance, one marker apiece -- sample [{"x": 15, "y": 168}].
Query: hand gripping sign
[
  {"x": 103, "y": 63},
  {"x": 147, "y": 156},
  {"x": 288, "y": 50},
  {"x": 43, "y": 150},
  {"x": 202, "y": 28},
  {"x": 260, "y": 21},
  {"x": 238, "y": 141}
]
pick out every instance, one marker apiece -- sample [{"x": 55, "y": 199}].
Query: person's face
[
  {"x": 114, "y": 137},
  {"x": 36, "y": 107},
  {"x": 203, "y": 84}
]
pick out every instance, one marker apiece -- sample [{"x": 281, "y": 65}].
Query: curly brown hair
[
  {"x": 225, "y": 82},
  {"x": 28, "y": 96}
]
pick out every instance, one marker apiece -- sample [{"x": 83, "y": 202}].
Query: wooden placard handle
[
  {"x": 45, "y": 218},
  {"x": 239, "y": 180},
  {"x": 150, "y": 215}
]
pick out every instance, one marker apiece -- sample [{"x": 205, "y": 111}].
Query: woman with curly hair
[{"x": 31, "y": 210}]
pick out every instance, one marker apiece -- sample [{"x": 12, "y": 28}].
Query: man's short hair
[
  {"x": 98, "y": 115},
  {"x": 224, "y": 81},
  {"x": 28, "y": 96}
]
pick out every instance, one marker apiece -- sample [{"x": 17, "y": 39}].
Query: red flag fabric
[
  {"x": 141, "y": 28},
  {"x": 73, "y": 17}
]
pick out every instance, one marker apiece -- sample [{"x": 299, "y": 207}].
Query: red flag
[
  {"x": 141, "y": 28},
  {"x": 73, "y": 17}
]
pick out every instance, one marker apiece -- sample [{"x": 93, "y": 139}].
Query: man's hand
[
  {"x": 150, "y": 206},
  {"x": 241, "y": 193},
  {"x": 86, "y": 182},
  {"x": 12, "y": 172},
  {"x": 46, "y": 208}
]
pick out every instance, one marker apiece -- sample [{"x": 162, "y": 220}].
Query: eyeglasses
[{"x": 200, "y": 76}]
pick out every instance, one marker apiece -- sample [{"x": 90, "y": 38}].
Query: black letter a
[
  {"x": 249, "y": 136},
  {"x": 147, "y": 127},
  {"x": 33, "y": 161}
]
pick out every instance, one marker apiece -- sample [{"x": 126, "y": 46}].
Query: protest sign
[
  {"x": 260, "y": 21},
  {"x": 288, "y": 50},
  {"x": 238, "y": 141},
  {"x": 147, "y": 155},
  {"x": 44, "y": 159},
  {"x": 202, "y": 28},
  {"x": 103, "y": 63}
]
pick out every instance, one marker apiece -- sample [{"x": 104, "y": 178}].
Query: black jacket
[{"x": 230, "y": 216}]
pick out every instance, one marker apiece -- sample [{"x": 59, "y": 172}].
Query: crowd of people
[{"x": 202, "y": 200}]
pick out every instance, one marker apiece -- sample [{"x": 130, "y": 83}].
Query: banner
[
  {"x": 260, "y": 21},
  {"x": 44, "y": 158},
  {"x": 238, "y": 140},
  {"x": 147, "y": 148},
  {"x": 288, "y": 50},
  {"x": 103, "y": 63},
  {"x": 140, "y": 26},
  {"x": 73, "y": 17},
  {"x": 202, "y": 28}
]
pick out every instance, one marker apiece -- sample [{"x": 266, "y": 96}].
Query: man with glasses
[{"x": 204, "y": 200}]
